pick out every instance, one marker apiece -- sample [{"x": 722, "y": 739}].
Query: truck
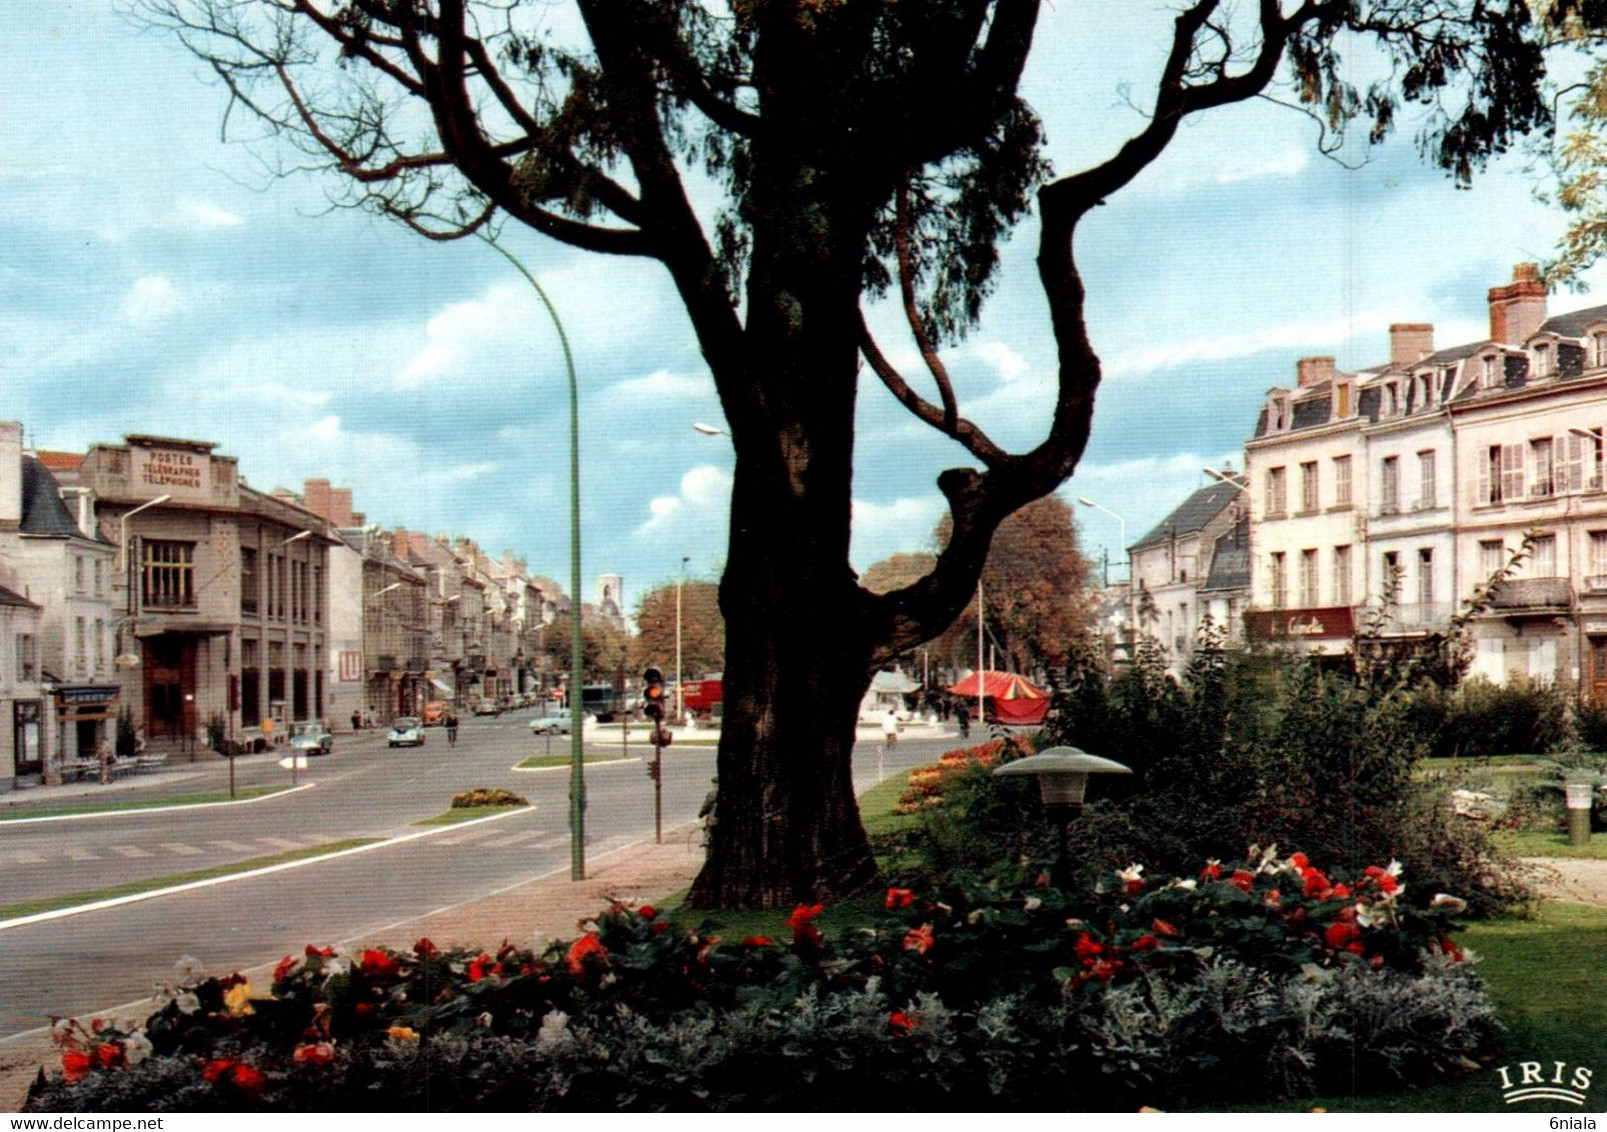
[
  {"x": 602, "y": 702},
  {"x": 704, "y": 697}
]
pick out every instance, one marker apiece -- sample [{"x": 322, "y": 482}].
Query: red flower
[
  {"x": 900, "y": 897},
  {"x": 424, "y": 949},
  {"x": 314, "y": 1053},
  {"x": 75, "y": 1064},
  {"x": 587, "y": 944},
  {"x": 919, "y": 940},
  {"x": 1161, "y": 927},
  {"x": 1344, "y": 936},
  {"x": 1317, "y": 885},
  {"x": 1274, "y": 899},
  {"x": 286, "y": 965},
  {"x": 1300, "y": 861},
  {"x": 377, "y": 964},
  {"x": 482, "y": 965},
  {"x": 248, "y": 1080},
  {"x": 320, "y": 952},
  {"x": 1145, "y": 943},
  {"x": 801, "y": 922},
  {"x": 757, "y": 941},
  {"x": 1448, "y": 947},
  {"x": 1104, "y": 969},
  {"x": 1242, "y": 880},
  {"x": 110, "y": 1055},
  {"x": 647, "y": 911},
  {"x": 1339, "y": 892},
  {"x": 661, "y": 926},
  {"x": 1134, "y": 887},
  {"x": 901, "y": 1023},
  {"x": 216, "y": 1068},
  {"x": 1088, "y": 946},
  {"x": 1211, "y": 871}
]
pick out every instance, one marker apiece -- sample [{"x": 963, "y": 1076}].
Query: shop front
[{"x": 84, "y": 715}]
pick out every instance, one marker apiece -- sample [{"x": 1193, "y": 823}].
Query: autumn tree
[
  {"x": 863, "y": 148},
  {"x": 605, "y": 648},
  {"x": 702, "y": 630}
]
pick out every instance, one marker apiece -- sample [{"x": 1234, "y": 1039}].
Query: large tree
[
  {"x": 864, "y": 147},
  {"x": 701, "y": 629}
]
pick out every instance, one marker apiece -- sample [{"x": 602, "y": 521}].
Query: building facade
[{"x": 1177, "y": 578}]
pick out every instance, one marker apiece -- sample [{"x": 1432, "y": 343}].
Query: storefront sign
[
  {"x": 1300, "y": 624},
  {"x": 86, "y": 702}
]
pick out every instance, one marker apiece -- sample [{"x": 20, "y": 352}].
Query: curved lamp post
[
  {"x": 577, "y": 779},
  {"x": 1062, "y": 774}
]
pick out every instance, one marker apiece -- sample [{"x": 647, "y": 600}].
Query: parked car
[
  {"x": 311, "y": 737},
  {"x": 554, "y": 721},
  {"x": 435, "y": 713},
  {"x": 487, "y": 707},
  {"x": 406, "y": 731}
]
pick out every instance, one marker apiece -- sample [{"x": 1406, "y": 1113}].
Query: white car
[
  {"x": 554, "y": 721},
  {"x": 406, "y": 731},
  {"x": 311, "y": 737}
]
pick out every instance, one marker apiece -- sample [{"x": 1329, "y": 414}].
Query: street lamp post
[
  {"x": 122, "y": 532},
  {"x": 1121, "y": 531},
  {"x": 577, "y": 779},
  {"x": 680, "y": 692}
]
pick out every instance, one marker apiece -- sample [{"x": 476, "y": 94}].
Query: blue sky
[{"x": 156, "y": 279}]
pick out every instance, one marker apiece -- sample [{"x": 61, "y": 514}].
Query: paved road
[{"x": 91, "y": 960}]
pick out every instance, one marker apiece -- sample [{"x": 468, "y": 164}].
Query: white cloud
[
  {"x": 459, "y": 473},
  {"x": 1301, "y": 334},
  {"x": 665, "y": 384},
  {"x": 193, "y": 214},
  {"x": 1006, "y": 362},
  {"x": 151, "y": 299},
  {"x": 884, "y": 529},
  {"x": 704, "y": 495},
  {"x": 1289, "y": 163}
]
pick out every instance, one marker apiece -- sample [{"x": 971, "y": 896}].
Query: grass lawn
[
  {"x": 1550, "y": 843},
  {"x": 466, "y": 813},
  {"x": 78, "y": 809},
  {"x": 546, "y": 762},
  {"x": 1498, "y": 763},
  {"x": 152, "y": 884}
]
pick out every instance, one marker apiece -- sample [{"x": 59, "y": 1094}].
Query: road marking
[
  {"x": 81, "y": 855},
  {"x": 182, "y": 850},
  {"x": 130, "y": 851},
  {"x": 23, "y": 858},
  {"x": 554, "y": 843},
  {"x": 514, "y": 840},
  {"x": 139, "y": 811},
  {"x": 234, "y": 846},
  {"x": 282, "y": 843},
  {"x": 465, "y": 838}
]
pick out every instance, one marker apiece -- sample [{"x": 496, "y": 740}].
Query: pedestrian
[
  {"x": 962, "y": 716},
  {"x": 451, "y": 729},
  {"x": 890, "y": 729},
  {"x": 357, "y": 719},
  {"x": 705, "y": 814},
  {"x": 106, "y": 760}
]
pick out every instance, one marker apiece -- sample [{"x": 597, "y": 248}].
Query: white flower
[
  {"x": 188, "y": 968},
  {"x": 484, "y": 1020},
  {"x": 1033, "y": 903},
  {"x": 1133, "y": 872},
  {"x": 137, "y": 1047},
  {"x": 1188, "y": 884},
  {"x": 554, "y": 1030},
  {"x": 188, "y": 1003},
  {"x": 1445, "y": 902}
]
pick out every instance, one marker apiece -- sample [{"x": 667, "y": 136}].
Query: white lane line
[
  {"x": 282, "y": 843},
  {"x": 76, "y": 854},
  {"x": 234, "y": 846},
  {"x": 179, "y": 848},
  {"x": 130, "y": 851},
  {"x": 553, "y": 844},
  {"x": 23, "y": 858},
  {"x": 100, "y": 905}
]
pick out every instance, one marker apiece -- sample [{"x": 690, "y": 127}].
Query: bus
[{"x": 601, "y": 702}]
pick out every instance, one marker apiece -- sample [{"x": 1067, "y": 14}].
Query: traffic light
[{"x": 653, "y": 694}]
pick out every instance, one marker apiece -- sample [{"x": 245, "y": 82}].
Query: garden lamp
[{"x": 1062, "y": 774}]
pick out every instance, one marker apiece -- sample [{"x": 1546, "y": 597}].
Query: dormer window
[
  {"x": 1489, "y": 372},
  {"x": 1542, "y": 359},
  {"x": 1425, "y": 390},
  {"x": 1341, "y": 400},
  {"x": 1598, "y": 349}
]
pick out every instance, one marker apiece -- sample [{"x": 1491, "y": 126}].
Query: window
[
  {"x": 78, "y": 573},
  {"x": 318, "y": 595},
  {"x": 1309, "y": 597},
  {"x": 100, "y": 645},
  {"x": 249, "y": 584},
  {"x": 1391, "y": 573},
  {"x": 100, "y": 576},
  {"x": 1342, "y": 400},
  {"x": 1544, "y": 562},
  {"x": 1308, "y": 486},
  {"x": 1489, "y": 372},
  {"x": 1501, "y": 474},
  {"x": 1276, "y": 497},
  {"x": 1492, "y": 557},
  {"x": 1598, "y": 348},
  {"x": 169, "y": 573},
  {"x": 80, "y": 650},
  {"x": 1341, "y": 575},
  {"x": 1280, "y": 581},
  {"x": 1426, "y": 487},
  {"x": 1598, "y": 559},
  {"x": 27, "y": 657},
  {"x": 1542, "y": 360},
  {"x": 1541, "y": 481},
  {"x": 1390, "y": 486},
  {"x": 1342, "y": 481},
  {"x": 1425, "y": 576}
]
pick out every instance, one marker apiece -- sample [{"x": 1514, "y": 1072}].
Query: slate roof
[
  {"x": 12, "y": 597},
  {"x": 1572, "y": 324},
  {"x": 1193, "y": 513},
  {"x": 43, "y": 512},
  {"x": 1230, "y": 561}
]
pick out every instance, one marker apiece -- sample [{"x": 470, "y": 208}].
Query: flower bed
[
  {"x": 927, "y": 783},
  {"x": 1252, "y": 980}
]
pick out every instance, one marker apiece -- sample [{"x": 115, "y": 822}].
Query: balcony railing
[
  {"x": 1412, "y": 617},
  {"x": 1539, "y": 595}
]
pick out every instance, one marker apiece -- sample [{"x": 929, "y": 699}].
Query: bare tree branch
[{"x": 971, "y": 438}]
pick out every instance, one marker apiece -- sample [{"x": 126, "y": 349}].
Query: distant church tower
[{"x": 611, "y": 597}]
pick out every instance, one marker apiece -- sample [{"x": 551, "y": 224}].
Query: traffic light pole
[{"x": 658, "y": 784}]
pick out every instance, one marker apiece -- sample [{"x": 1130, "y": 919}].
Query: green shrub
[
  {"x": 487, "y": 796},
  {"x": 989, "y": 994}
]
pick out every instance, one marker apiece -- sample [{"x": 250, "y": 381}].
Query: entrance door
[
  {"x": 169, "y": 687},
  {"x": 1598, "y": 669}
]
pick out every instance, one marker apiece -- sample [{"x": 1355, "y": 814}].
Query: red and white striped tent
[{"x": 1008, "y": 698}]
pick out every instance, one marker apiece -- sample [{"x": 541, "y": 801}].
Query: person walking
[
  {"x": 705, "y": 814},
  {"x": 357, "y": 719},
  {"x": 962, "y": 716},
  {"x": 890, "y": 729},
  {"x": 451, "y": 729}
]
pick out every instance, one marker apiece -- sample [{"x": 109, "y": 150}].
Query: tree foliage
[
  {"x": 605, "y": 647},
  {"x": 702, "y": 629}
]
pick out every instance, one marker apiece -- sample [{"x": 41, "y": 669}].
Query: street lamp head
[
  {"x": 297, "y": 537},
  {"x": 708, "y": 429},
  {"x": 1086, "y": 502},
  {"x": 386, "y": 590},
  {"x": 1588, "y": 433},
  {"x": 1062, "y": 773}
]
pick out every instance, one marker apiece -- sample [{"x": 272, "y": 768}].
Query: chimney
[
  {"x": 10, "y": 475},
  {"x": 1518, "y": 309},
  {"x": 340, "y": 509},
  {"x": 1314, "y": 371},
  {"x": 1410, "y": 342},
  {"x": 315, "y": 496}
]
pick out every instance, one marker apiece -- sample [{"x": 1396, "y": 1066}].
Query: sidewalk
[{"x": 552, "y": 906}]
